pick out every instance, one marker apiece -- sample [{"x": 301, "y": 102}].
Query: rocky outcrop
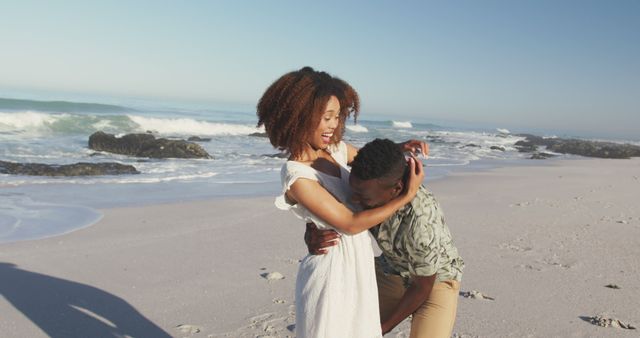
[
  {"x": 436, "y": 139},
  {"x": 525, "y": 147},
  {"x": 76, "y": 169},
  {"x": 595, "y": 149},
  {"x": 541, "y": 156},
  {"x": 497, "y": 148},
  {"x": 537, "y": 140},
  {"x": 146, "y": 145},
  {"x": 198, "y": 139},
  {"x": 278, "y": 155},
  {"x": 578, "y": 147}
]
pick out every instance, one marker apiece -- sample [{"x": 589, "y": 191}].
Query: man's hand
[
  {"x": 415, "y": 147},
  {"x": 318, "y": 240}
]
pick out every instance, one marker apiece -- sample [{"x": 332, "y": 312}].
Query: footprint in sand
[
  {"x": 271, "y": 276},
  {"x": 186, "y": 328},
  {"x": 609, "y": 322},
  {"x": 606, "y": 219},
  {"x": 555, "y": 261},
  {"x": 529, "y": 267},
  {"x": 462, "y": 335},
  {"x": 474, "y": 294},
  {"x": 260, "y": 318},
  {"x": 269, "y": 324},
  {"x": 514, "y": 247}
]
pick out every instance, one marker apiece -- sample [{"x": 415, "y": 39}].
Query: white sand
[{"x": 543, "y": 241}]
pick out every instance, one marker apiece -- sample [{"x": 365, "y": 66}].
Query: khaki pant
[{"x": 434, "y": 318}]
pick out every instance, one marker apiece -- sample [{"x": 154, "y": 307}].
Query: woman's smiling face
[{"x": 330, "y": 120}]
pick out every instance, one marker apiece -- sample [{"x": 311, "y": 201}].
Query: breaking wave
[
  {"x": 30, "y": 122},
  {"x": 401, "y": 124}
]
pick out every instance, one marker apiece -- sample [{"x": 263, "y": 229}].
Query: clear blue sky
[{"x": 567, "y": 65}]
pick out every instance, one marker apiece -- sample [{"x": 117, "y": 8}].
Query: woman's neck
[
  {"x": 310, "y": 154},
  {"x": 320, "y": 160}
]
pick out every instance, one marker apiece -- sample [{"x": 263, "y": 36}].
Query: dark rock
[
  {"x": 595, "y": 148},
  {"x": 578, "y": 147},
  {"x": 525, "y": 147},
  {"x": 198, "y": 139},
  {"x": 435, "y": 139},
  {"x": 497, "y": 148},
  {"x": 259, "y": 134},
  {"x": 278, "y": 155},
  {"x": 471, "y": 145},
  {"x": 77, "y": 169},
  {"x": 146, "y": 145},
  {"x": 541, "y": 156},
  {"x": 537, "y": 140}
]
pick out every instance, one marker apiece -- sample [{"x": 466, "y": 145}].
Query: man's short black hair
[{"x": 380, "y": 158}]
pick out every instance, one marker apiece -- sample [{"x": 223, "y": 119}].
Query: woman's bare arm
[
  {"x": 351, "y": 153},
  {"x": 321, "y": 203},
  {"x": 411, "y": 145}
]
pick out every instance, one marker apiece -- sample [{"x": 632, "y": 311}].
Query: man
[{"x": 419, "y": 271}]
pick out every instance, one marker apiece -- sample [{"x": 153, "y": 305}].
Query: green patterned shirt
[{"x": 416, "y": 241}]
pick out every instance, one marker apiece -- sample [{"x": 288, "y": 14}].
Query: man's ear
[{"x": 398, "y": 187}]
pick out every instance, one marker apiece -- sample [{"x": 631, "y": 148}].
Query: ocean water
[{"x": 242, "y": 165}]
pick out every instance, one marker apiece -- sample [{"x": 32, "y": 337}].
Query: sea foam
[
  {"x": 357, "y": 128},
  {"x": 27, "y": 120},
  {"x": 401, "y": 124},
  {"x": 40, "y": 123},
  {"x": 184, "y": 126}
]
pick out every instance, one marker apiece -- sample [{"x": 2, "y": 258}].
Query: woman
[{"x": 304, "y": 113}]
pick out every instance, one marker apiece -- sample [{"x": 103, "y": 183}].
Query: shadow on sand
[{"x": 62, "y": 308}]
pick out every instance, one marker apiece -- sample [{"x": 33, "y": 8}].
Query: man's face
[{"x": 374, "y": 192}]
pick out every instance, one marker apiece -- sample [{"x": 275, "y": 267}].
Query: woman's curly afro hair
[{"x": 291, "y": 108}]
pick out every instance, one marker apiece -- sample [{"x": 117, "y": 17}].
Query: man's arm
[
  {"x": 416, "y": 294},
  {"x": 320, "y": 202},
  {"x": 319, "y": 240}
]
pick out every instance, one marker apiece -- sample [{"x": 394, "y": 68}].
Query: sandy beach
[{"x": 543, "y": 242}]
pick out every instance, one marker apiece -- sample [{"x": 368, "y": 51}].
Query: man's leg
[
  {"x": 390, "y": 290},
  {"x": 436, "y": 316}
]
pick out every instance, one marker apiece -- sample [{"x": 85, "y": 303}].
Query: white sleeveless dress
[{"x": 336, "y": 294}]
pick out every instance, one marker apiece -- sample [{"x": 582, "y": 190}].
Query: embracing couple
[{"x": 342, "y": 192}]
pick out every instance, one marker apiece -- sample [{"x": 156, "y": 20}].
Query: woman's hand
[
  {"x": 414, "y": 181},
  {"x": 415, "y": 147}
]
